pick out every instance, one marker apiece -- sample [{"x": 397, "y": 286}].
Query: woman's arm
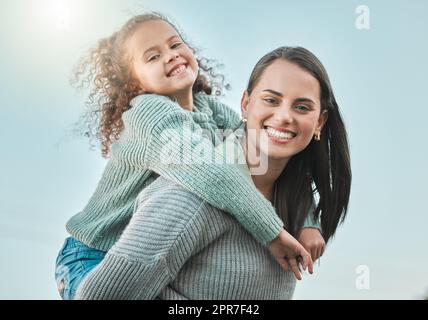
[
  {"x": 310, "y": 235},
  {"x": 163, "y": 137},
  {"x": 310, "y": 221}
]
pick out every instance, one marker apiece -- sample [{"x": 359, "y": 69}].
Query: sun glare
[{"x": 57, "y": 13}]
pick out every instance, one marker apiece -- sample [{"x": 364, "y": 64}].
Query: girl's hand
[
  {"x": 289, "y": 253},
  {"x": 312, "y": 240}
]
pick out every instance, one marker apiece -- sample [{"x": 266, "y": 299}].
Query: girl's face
[
  {"x": 161, "y": 61},
  {"x": 283, "y": 111}
]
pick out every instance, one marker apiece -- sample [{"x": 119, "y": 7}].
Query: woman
[{"x": 177, "y": 246}]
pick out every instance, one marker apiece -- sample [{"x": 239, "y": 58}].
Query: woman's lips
[{"x": 279, "y": 136}]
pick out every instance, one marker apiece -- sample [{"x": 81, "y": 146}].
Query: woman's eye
[
  {"x": 176, "y": 45},
  {"x": 270, "y": 100},
  {"x": 302, "y": 107}
]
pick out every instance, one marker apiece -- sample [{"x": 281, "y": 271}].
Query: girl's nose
[{"x": 172, "y": 56}]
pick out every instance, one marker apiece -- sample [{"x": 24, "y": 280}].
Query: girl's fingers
[
  {"x": 321, "y": 253},
  {"x": 306, "y": 260},
  {"x": 310, "y": 264},
  {"x": 285, "y": 264},
  {"x": 295, "y": 268},
  {"x": 314, "y": 254},
  {"x": 322, "y": 250}
]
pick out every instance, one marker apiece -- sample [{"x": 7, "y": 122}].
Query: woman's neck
[
  {"x": 264, "y": 180},
  {"x": 265, "y": 183},
  {"x": 184, "y": 99}
]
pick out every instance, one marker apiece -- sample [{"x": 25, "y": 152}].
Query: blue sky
[{"x": 379, "y": 78}]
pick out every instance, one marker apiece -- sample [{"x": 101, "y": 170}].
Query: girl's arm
[
  {"x": 224, "y": 116},
  {"x": 161, "y": 136}
]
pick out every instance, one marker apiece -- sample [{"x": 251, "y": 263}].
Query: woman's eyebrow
[
  {"x": 274, "y": 92},
  {"x": 305, "y": 100},
  {"x": 279, "y": 94}
]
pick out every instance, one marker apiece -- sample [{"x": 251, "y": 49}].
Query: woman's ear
[
  {"x": 322, "y": 120},
  {"x": 244, "y": 104}
]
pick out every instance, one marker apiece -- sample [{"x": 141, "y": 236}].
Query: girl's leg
[{"x": 75, "y": 260}]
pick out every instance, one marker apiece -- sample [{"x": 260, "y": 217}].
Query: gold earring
[{"x": 317, "y": 136}]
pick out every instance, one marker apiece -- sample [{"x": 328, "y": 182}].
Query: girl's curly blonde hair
[{"x": 106, "y": 70}]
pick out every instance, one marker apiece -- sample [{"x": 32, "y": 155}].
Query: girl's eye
[
  {"x": 152, "y": 58},
  {"x": 302, "y": 107},
  {"x": 176, "y": 45}
]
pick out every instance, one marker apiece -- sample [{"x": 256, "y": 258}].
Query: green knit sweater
[
  {"x": 138, "y": 157},
  {"x": 177, "y": 246}
]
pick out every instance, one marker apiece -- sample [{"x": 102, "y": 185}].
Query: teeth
[
  {"x": 178, "y": 70},
  {"x": 279, "y": 134}
]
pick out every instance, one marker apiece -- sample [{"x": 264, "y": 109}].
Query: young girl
[{"x": 149, "y": 87}]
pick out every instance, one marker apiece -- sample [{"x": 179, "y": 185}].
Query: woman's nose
[{"x": 283, "y": 115}]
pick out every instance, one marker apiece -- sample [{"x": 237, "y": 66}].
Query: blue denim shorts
[{"x": 75, "y": 260}]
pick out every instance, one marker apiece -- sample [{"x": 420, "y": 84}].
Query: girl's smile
[{"x": 176, "y": 70}]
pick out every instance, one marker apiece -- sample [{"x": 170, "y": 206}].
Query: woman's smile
[
  {"x": 279, "y": 135},
  {"x": 284, "y": 106}
]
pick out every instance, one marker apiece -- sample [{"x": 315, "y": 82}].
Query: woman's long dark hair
[{"x": 323, "y": 167}]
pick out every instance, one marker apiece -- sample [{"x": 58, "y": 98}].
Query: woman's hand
[
  {"x": 312, "y": 240},
  {"x": 289, "y": 253}
]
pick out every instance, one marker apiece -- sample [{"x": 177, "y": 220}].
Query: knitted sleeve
[
  {"x": 224, "y": 116},
  {"x": 310, "y": 221},
  {"x": 164, "y": 138},
  {"x": 167, "y": 228}
]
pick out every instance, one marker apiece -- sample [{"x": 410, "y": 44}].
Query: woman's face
[
  {"x": 161, "y": 61},
  {"x": 283, "y": 111}
]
